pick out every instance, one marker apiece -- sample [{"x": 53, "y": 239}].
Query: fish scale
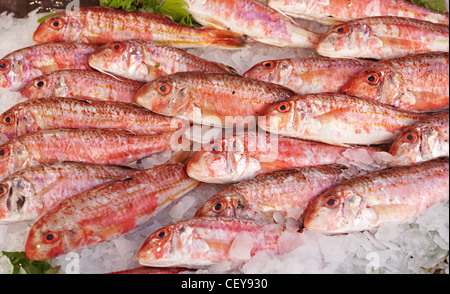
[
  {"x": 70, "y": 113},
  {"x": 337, "y": 11},
  {"x": 107, "y": 211},
  {"x": 277, "y": 191},
  {"x": 25, "y": 64},
  {"x": 204, "y": 241},
  {"x": 397, "y": 194},
  {"x": 89, "y": 146},
  {"x": 254, "y": 19},
  {"x": 417, "y": 82},
  {"x": 240, "y": 156},
  {"x": 105, "y": 25},
  {"x": 210, "y": 98},
  {"x": 422, "y": 141},
  {"x": 308, "y": 75},
  {"x": 144, "y": 61},
  {"x": 383, "y": 37},
  {"x": 75, "y": 83},
  {"x": 337, "y": 119},
  {"x": 44, "y": 186}
]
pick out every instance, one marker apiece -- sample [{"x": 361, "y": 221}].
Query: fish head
[
  {"x": 166, "y": 95},
  {"x": 339, "y": 211},
  {"x": 407, "y": 147},
  {"x": 6, "y": 73},
  {"x": 8, "y": 126},
  {"x": 348, "y": 40},
  {"x": 282, "y": 118},
  {"x": 50, "y": 237},
  {"x": 370, "y": 83},
  {"x": 224, "y": 161},
  {"x": 15, "y": 195},
  {"x": 15, "y": 71},
  {"x": 63, "y": 26},
  {"x": 227, "y": 204},
  {"x": 41, "y": 87},
  {"x": 127, "y": 59},
  {"x": 158, "y": 249},
  {"x": 13, "y": 157},
  {"x": 268, "y": 71},
  {"x": 118, "y": 58},
  {"x": 178, "y": 244}
]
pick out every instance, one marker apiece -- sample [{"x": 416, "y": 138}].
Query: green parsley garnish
[{"x": 20, "y": 261}]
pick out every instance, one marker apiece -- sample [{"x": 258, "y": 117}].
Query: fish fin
[
  {"x": 334, "y": 118},
  {"x": 210, "y": 22},
  {"x": 182, "y": 156},
  {"x": 107, "y": 73},
  {"x": 394, "y": 212},
  {"x": 227, "y": 39},
  {"x": 154, "y": 72},
  {"x": 49, "y": 68},
  {"x": 228, "y": 68},
  {"x": 272, "y": 42}
]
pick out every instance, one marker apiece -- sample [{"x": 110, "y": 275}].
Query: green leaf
[
  {"x": 20, "y": 261},
  {"x": 436, "y": 5},
  {"x": 175, "y": 9},
  {"x": 46, "y": 16}
]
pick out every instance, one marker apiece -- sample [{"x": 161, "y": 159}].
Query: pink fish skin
[
  {"x": 254, "y": 19},
  {"x": 204, "y": 241},
  {"x": 107, "y": 211},
  {"x": 424, "y": 140},
  {"x": 308, "y": 75},
  {"x": 271, "y": 192},
  {"x": 21, "y": 66},
  {"x": 144, "y": 61},
  {"x": 105, "y": 25},
  {"x": 241, "y": 156},
  {"x": 219, "y": 99},
  {"x": 70, "y": 113},
  {"x": 90, "y": 146},
  {"x": 338, "y": 11},
  {"x": 383, "y": 37},
  {"x": 88, "y": 84},
  {"x": 30, "y": 193},
  {"x": 397, "y": 194},
  {"x": 417, "y": 82},
  {"x": 337, "y": 119}
]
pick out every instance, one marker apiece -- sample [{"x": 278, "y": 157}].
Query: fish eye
[
  {"x": 3, "y": 190},
  {"x": 162, "y": 233},
  {"x": 117, "y": 47},
  {"x": 216, "y": 148},
  {"x": 40, "y": 83},
  {"x": 8, "y": 119},
  {"x": 331, "y": 201},
  {"x": 56, "y": 23},
  {"x": 4, "y": 152},
  {"x": 219, "y": 206},
  {"x": 342, "y": 29},
  {"x": 163, "y": 89},
  {"x": 5, "y": 64},
  {"x": 410, "y": 137},
  {"x": 50, "y": 238},
  {"x": 283, "y": 107},
  {"x": 269, "y": 64},
  {"x": 373, "y": 78}
]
